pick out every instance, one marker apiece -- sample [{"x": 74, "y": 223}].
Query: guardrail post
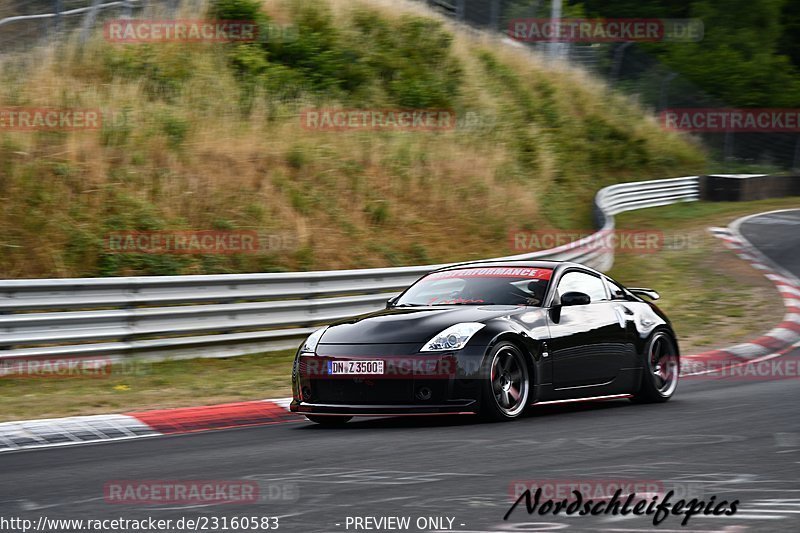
[
  {"x": 461, "y": 10},
  {"x": 728, "y": 149},
  {"x": 619, "y": 56},
  {"x": 57, "y": 11},
  {"x": 663, "y": 100},
  {"x": 494, "y": 15},
  {"x": 89, "y": 20}
]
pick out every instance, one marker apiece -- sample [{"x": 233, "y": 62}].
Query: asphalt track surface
[{"x": 731, "y": 438}]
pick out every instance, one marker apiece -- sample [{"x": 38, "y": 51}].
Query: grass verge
[
  {"x": 713, "y": 298},
  {"x": 144, "y": 385}
]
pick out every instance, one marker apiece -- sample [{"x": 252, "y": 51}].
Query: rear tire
[
  {"x": 506, "y": 384},
  {"x": 329, "y": 421},
  {"x": 660, "y": 370}
]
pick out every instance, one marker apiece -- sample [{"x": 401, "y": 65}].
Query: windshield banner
[{"x": 494, "y": 272}]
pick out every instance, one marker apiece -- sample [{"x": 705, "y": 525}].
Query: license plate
[{"x": 371, "y": 366}]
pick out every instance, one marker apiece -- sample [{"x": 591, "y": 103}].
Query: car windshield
[{"x": 479, "y": 286}]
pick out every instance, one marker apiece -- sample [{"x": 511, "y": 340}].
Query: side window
[
  {"x": 583, "y": 282},
  {"x": 617, "y": 292}
]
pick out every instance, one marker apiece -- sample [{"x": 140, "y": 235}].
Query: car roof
[{"x": 552, "y": 264}]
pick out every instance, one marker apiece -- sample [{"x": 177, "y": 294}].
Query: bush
[
  {"x": 406, "y": 63},
  {"x": 163, "y": 70},
  {"x": 176, "y": 130},
  {"x": 377, "y": 212},
  {"x": 237, "y": 10}
]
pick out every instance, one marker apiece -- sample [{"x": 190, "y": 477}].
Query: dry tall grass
[{"x": 184, "y": 154}]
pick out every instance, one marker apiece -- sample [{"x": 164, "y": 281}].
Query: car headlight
[
  {"x": 310, "y": 345},
  {"x": 453, "y": 338}
]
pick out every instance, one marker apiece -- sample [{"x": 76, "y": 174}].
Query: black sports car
[{"x": 490, "y": 338}]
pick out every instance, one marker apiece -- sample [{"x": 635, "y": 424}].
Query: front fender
[{"x": 500, "y": 330}]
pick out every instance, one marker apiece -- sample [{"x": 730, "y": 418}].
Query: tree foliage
[{"x": 749, "y": 55}]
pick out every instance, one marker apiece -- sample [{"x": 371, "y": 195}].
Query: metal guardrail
[
  {"x": 77, "y": 11},
  {"x": 161, "y": 317}
]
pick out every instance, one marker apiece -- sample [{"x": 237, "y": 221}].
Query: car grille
[{"x": 364, "y": 392}]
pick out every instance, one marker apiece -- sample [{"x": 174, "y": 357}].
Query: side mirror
[
  {"x": 575, "y": 298},
  {"x": 390, "y": 302},
  {"x": 642, "y": 291}
]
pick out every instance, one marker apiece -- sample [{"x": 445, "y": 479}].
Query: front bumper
[
  {"x": 412, "y": 383},
  {"x": 459, "y": 408}
]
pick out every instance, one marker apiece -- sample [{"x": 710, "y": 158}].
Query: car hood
[{"x": 409, "y": 325}]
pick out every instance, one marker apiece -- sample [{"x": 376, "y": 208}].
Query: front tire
[
  {"x": 329, "y": 420},
  {"x": 660, "y": 370},
  {"x": 506, "y": 386}
]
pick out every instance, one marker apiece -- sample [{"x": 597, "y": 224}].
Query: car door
[
  {"x": 626, "y": 313},
  {"x": 586, "y": 343}
]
